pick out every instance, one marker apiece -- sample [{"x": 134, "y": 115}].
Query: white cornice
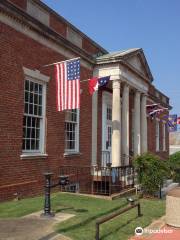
[
  {"x": 36, "y": 75},
  {"x": 20, "y": 27}
]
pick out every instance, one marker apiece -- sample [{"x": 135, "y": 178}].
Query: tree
[
  {"x": 174, "y": 165},
  {"x": 151, "y": 172}
]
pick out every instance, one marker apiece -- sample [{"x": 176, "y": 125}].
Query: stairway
[{"x": 167, "y": 186}]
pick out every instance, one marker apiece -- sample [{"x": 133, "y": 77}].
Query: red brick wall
[
  {"x": 59, "y": 26},
  {"x": 20, "y": 3},
  {"x": 89, "y": 47},
  {"x": 13, "y": 169},
  {"x": 152, "y": 139}
]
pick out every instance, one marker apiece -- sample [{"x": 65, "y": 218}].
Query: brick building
[{"x": 34, "y": 137}]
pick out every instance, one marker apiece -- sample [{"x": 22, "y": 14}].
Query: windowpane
[
  {"x": 32, "y": 144},
  {"x": 36, "y": 89},
  {"x": 35, "y": 98},
  {"x": 40, "y": 111},
  {"x": 26, "y": 108},
  {"x": 31, "y": 86},
  {"x": 26, "y": 96},
  {"x": 31, "y": 97},
  {"x": 37, "y": 144},
  {"x": 28, "y": 132},
  {"x": 40, "y": 100},
  {"x": 30, "y": 108},
  {"x": 35, "y": 109},
  {"x": 37, "y": 133},
  {"x": 33, "y": 133},
  {"x": 27, "y": 85},
  {"x": 40, "y": 89},
  {"x": 28, "y": 121},
  {"x": 37, "y": 122}
]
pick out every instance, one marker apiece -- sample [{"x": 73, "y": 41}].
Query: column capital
[
  {"x": 126, "y": 86},
  {"x": 144, "y": 94},
  {"x": 137, "y": 91},
  {"x": 116, "y": 84}
]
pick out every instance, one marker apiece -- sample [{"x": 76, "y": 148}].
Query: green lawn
[{"x": 87, "y": 210}]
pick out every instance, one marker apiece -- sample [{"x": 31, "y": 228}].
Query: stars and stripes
[{"x": 68, "y": 85}]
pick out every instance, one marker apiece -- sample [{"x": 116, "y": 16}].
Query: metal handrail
[{"x": 115, "y": 214}]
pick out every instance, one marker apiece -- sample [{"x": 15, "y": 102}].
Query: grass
[{"x": 87, "y": 210}]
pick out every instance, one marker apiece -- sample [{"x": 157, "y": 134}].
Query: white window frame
[
  {"x": 76, "y": 149},
  {"x": 37, "y": 77},
  {"x": 164, "y": 135},
  {"x": 157, "y": 135}
]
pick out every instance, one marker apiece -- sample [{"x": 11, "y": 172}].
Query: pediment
[
  {"x": 139, "y": 63},
  {"x": 134, "y": 58}
]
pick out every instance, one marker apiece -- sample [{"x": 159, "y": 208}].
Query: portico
[{"x": 130, "y": 74}]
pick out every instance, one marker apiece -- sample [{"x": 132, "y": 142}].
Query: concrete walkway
[
  {"x": 32, "y": 227},
  {"x": 165, "y": 232}
]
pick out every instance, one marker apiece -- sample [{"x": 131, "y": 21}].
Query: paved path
[
  {"x": 32, "y": 227},
  {"x": 167, "y": 232}
]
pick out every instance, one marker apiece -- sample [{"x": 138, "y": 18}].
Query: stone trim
[{"x": 44, "y": 35}]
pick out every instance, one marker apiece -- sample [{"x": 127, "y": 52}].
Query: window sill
[
  {"x": 33, "y": 156},
  {"x": 72, "y": 154}
]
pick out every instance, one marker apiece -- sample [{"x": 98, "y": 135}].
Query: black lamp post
[
  {"x": 47, "y": 200},
  {"x": 63, "y": 181}
]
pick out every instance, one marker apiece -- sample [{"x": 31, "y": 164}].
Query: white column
[
  {"x": 116, "y": 124},
  {"x": 125, "y": 124},
  {"x": 137, "y": 143},
  {"x": 143, "y": 124}
]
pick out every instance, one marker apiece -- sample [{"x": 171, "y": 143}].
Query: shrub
[
  {"x": 151, "y": 172},
  {"x": 174, "y": 165}
]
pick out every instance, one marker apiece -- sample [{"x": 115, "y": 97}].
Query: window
[
  {"x": 72, "y": 131},
  {"x": 164, "y": 136},
  {"x": 109, "y": 126},
  {"x": 157, "y": 135},
  {"x": 33, "y": 122},
  {"x": 109, "y": 113}
]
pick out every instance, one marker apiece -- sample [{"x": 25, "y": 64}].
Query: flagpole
[{"x": 60, "y": 62}]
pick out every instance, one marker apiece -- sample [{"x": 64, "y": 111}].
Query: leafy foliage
[
  {"x": 174, "y": 165},
  {"x": 151, "y": 172}
]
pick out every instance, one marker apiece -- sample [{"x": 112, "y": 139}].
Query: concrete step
[
  {"x": 168, "y": 182},
  {"x": 171, "y": 186}
]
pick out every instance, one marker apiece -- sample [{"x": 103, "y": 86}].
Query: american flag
[{"x": 68, "y": 85}]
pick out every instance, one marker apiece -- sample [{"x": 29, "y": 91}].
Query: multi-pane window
[
  {"x": 109, "y": 135},
  {"x": 72, "y": 131},
  {"x": 33, "y": 117},
  {"x": 109, "y": 126},
  {"x": 157, "y": 135},
  {"x": 109, "y": 113},
  {"x": 164, "y": 136}
]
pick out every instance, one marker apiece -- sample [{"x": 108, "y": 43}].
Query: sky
[{"x": 153, "y": 25}]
